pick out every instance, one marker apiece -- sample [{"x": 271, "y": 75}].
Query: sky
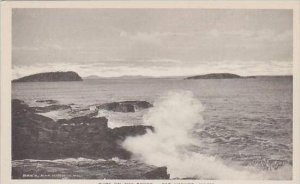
[{"x": 152, "y": 42}]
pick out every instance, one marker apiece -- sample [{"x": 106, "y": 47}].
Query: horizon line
[{"x": 170, "y": 76}]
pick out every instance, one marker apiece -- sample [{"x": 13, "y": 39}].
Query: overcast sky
[{"x": 152, "y": 42}]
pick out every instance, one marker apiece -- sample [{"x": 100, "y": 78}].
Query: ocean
[{"x": 211, "y": 129}]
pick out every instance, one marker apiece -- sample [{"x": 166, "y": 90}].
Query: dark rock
[
  {"x": 93, "y": 169},
  {"x": 47, "y": 101},
  {"x": 19, "y": 107},
  {"x": 50, "y": 108},
  {"x": 17, "y": 173},
  {"x": 83, "y": 112},
  {"x": 24, "y": 115},
  {"x": 117, "y": 107},
  {"x": 125, "y": 131},
  {"x": 38, "y": 137},
  {"x": 125, "y": 106},
  {"x": 215, "y": 76},
  {"x": 28, "y": 129},
  {"x": 158, "y": 173},
  {"x": 50, "y": 77},
  {"x": 84, "y": 120}
]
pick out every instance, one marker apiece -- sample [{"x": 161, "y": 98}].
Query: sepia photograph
[{"x": 151, "y": 94}]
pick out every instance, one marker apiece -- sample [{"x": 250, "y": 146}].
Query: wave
[
  {"x": 173, "y": 117},
  {"x": 72, "y": 112},
  {"x": 119, "y": 119},
  {"x": 57, "y": 114}
]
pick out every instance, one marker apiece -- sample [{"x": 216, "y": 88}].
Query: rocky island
[
  {"x": 215, "y": 76},
  {"x": 50, "y": 77}
]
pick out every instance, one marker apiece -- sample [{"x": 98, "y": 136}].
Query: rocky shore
[
  {"x": 38, "y": 137},
  {"x": 125, "y": 106}
]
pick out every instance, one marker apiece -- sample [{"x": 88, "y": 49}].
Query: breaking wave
[{"x": 173, "y": 117}]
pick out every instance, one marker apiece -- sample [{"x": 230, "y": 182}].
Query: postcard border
[{"x": 6, "y": 75}]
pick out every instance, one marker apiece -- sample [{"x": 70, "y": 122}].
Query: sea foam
[{"x": 173, "y": 117}]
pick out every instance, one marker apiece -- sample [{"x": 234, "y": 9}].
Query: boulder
[
  {"x": 50, "y": 108},
  {"x": 125, "y": 131},
  {"x": 47, "y": 101},
  {"x": 125, "y": 106},
  {"x": 158, "y": 173}
]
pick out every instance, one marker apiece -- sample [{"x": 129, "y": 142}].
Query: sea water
[{"x": 238, "y": 125}]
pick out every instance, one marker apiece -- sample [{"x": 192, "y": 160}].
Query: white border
[{"x": 6, "y": 75}]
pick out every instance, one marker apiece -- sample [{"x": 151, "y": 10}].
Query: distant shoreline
[
  {"x": 178, "y": 77},
  {"x": 65, "y": 77}
]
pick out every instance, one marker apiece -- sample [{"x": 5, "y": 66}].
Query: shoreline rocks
[
  {"x": 37, "y": 137},
  {"x": 125, "y": 106},
  {"x": 158, "y": 173},
  {"x": 47, "y": 101},
  {"x": 126, "y": 131},
  {"x": 39, "y": 140},
  {"x": 49, "y": 108},
  {"x": 81, "y": 168}
]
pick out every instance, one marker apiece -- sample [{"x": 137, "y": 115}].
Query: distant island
[
  {"x": 120, "y": 77},
  {"x": 50, "y": 77},
  {"x": 216, "y": 76}
]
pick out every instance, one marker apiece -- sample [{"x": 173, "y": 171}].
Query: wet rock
[
  {"x": 47, "y": 101},
  {"x": 125, "y": 131},
  {"x": 19, "y": 107},
  {"x": 83, "y": 112},
  {"x": 158, "y": 173},
  {"x": 37, "y": 137},
  {"x": 50, "y": 108},
  {"x": 85, "y": 169},
  {"x": 125, "y": 106}
]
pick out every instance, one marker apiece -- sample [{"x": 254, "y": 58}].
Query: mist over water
[{"x": 174, "y": 116}]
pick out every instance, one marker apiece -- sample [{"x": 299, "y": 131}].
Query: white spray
[{"x": 173, "y": 117}]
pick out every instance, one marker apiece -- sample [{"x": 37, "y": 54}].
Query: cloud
[
  {"x": 141, "y": 37},
  {"x": 135, "y": 62},
  {"x": 40, "y": 47},
  {"x": 150, "y": 37},
  {"x": 247, "y": 35},
  {"x": 153, "y": 40}
]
